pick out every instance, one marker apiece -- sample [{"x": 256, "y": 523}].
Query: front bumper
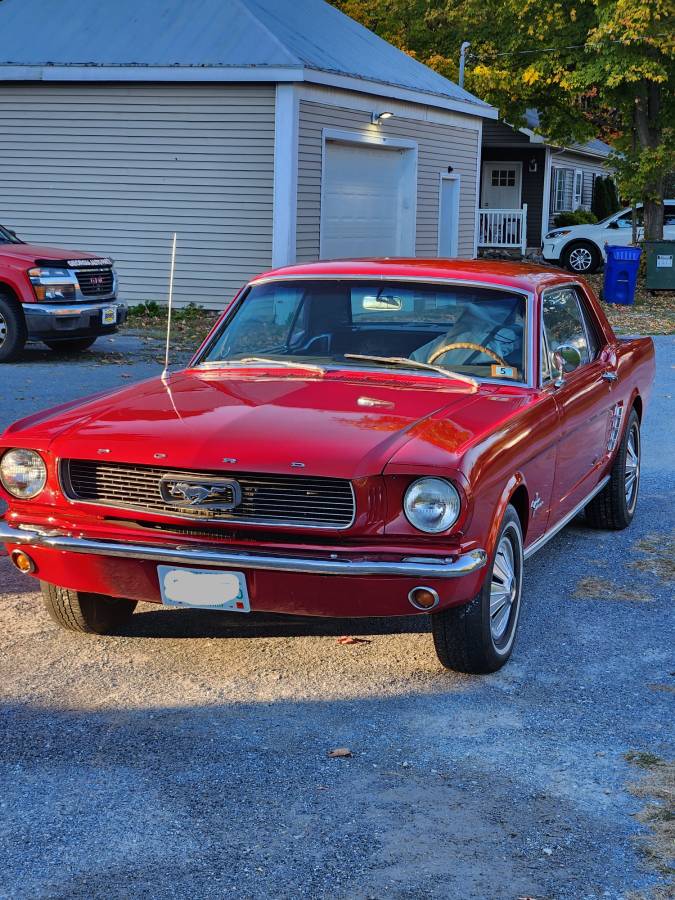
[
  {"x": 327, "y": 584},
  {"x": 408, "y": 567},
  {"x": 551, "y": 251},
  {"x": 51, "y": 321}
]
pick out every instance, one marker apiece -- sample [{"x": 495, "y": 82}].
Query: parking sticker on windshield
[{"x": 503, "y": 372}]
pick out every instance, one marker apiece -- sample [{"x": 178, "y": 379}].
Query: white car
[{"x": 581, "y": 248}]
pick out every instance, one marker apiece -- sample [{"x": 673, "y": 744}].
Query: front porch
[{"x": 512, "y": 191}]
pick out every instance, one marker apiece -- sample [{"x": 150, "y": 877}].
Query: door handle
[{"x": 609, "y": 376}]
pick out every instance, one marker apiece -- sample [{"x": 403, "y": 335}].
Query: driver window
[{"x": 563, "y": 321}]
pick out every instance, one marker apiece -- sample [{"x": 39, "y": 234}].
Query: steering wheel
[{"x": 467, "y": 345}]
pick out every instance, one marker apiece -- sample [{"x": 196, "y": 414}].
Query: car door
[{"x": 584, "y": 397}]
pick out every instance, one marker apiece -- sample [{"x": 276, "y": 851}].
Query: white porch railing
[{"x": 505, "y": 228}]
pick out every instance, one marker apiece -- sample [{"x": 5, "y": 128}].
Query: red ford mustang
[{"x": 364, "y": 438}]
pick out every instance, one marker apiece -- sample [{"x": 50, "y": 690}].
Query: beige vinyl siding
[
  {"x": 116, "y": 169},
  {"x": 439, "y": 146},
  {"x": 591, "y": 168}
]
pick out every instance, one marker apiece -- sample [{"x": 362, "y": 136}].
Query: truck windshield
[
  {"x": 6, "y": 237},
  {"x": 472, "y": 330}
]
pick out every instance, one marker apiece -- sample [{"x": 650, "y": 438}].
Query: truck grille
[
  {"x": 95, "y": 281},
  {"x": 297, "y": 500}
]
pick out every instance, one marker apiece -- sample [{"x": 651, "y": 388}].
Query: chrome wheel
[
  {"x": 581, "y": 259},
  {"x": 504, "y": 588},
  {"x": 632, "y": 471},
  {"x": 3, "y": 329}
]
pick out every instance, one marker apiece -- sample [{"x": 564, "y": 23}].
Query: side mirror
[
  {"x": 613, "y": 224},
  {"x": 566, "y": 358}
]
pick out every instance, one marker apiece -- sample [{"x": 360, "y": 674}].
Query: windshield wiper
[
  {"x": 265, "y": 361},
  {"x": 413, "y": 364}
]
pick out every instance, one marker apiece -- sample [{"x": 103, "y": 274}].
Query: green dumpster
[{"x": 660, "y": 265}]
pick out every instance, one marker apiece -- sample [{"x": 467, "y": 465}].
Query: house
[
  {"x": 526, "y": 181},
  {"x": 263, "y": 132}
]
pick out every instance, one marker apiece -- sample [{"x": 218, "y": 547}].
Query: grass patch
[
  {"x": 642, "y": 759},
  {"x": 652, "y": 313},
  {"x": 189, "y": 324},
  {"x": 658, "y": 556},
  {"x": 593, "y": 588},
  {"x": 657, "y": 787}
]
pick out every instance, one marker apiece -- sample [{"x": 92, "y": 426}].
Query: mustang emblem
[{"x": 217, "y": 495}]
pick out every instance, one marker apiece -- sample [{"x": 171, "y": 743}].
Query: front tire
[
  {"x": 581, "y": 257},
  {"x": 478, "y": 638},
  {"x": 74, "y": 345},
  {"x": 13, "y": 332},
  {"x": 83, "y": 612},
  {"x": 614, "y": 507}
]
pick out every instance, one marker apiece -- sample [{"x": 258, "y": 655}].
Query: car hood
[
  {"x": 32, "y": 252},
  {"x": 340, "y": 425}
]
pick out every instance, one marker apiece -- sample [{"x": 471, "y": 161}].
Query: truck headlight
[
  {"x": 23, "y": 473},
  {"x": 53, "y": 284},
  {"x": 431, "y": 504}
]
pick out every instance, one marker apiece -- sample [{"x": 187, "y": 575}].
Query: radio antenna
[{"x": 168, "y": 322}]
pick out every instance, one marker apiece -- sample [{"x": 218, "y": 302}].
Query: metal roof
[{"x": 305, "y": 35}]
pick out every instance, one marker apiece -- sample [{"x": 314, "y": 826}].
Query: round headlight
[
  {"x": 431, "y": 504},
  {"x": 23, "y": 473}
]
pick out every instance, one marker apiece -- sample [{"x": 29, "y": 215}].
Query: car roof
[{"x": 522, "y": 276}]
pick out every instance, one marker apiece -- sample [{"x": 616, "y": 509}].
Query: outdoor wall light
[
  {"x": 533, "y": 165},
  {"x": 378, "y": 118}
]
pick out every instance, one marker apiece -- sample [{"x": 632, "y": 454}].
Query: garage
[
  {"x": 255, "y": 140},
  {"x": 368, "y": 203}
]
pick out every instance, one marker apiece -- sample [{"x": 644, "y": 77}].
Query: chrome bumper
[
  {"x": 59, "y": 319},
  {"x": 408, "y": 567}
]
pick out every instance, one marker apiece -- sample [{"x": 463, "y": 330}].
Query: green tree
[{"x": 590, "y": 67}]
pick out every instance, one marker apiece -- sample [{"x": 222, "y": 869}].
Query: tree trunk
[
  {"x": 647, "y": 109},
  {"x": 653, "y": 213}
]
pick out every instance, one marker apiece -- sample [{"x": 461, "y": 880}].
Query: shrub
[{"x": 578, "y": 217}]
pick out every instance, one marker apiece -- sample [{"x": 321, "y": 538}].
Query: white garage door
[{"x": 368, "y": 203}]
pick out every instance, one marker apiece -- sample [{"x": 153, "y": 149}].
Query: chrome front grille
[
  {"x": 95, "y": 281},
  {"x": 297, "y": 500}
]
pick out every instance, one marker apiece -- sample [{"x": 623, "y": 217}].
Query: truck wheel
[
  {"x": 478, "y": 638},
  {"x": 74, "y": 345},
  {"x": 614, "y": 506},
  {"x": 13, "y": 333},
  {"x": 89, "y": 613},
  {"x": 581, "y": 257}
]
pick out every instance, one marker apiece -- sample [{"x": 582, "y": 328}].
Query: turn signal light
[
  {"x": 424, "y": 598},
  {"x": 23, "y": 562}
]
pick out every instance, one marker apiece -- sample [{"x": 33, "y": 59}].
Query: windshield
[
  {"x": 470, "y": 330},
  {"x": 7, "y": 237}
]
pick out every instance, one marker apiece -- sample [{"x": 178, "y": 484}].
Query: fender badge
[{"x": 536, "y": 504}]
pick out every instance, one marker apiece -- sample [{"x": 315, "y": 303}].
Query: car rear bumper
[
  {"x": 54, "y": 321},
  {"x": 311, "y": 585}
]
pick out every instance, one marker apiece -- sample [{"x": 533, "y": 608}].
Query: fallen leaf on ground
[
  {"x": 352, "y": 640},
  {"x": 340, "y": 753}
]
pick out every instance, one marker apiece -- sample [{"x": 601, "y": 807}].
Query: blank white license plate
[
  {"x": 109, "y": 315},
  {"x": 203, "y": 589}
]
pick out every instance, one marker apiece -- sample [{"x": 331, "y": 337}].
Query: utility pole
[{"x": 462, "y": 59}]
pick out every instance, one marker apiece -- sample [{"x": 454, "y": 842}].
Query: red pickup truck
[{"x": 66, "y": 298}]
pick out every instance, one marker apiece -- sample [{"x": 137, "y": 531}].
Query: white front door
[
  {"x": 368, "y": 201},
  {"x": 448, "y": 216},
  {"x": 501, "y": 185}
]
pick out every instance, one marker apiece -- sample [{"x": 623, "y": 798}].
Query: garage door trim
[{"x": 341, "y": 136}]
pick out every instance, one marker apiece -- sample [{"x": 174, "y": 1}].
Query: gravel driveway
[{"x": 188, "y": 757}]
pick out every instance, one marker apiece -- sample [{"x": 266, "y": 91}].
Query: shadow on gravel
[
  {"x": 195, "y": 623},
  {"x": 240, "y": 800}
]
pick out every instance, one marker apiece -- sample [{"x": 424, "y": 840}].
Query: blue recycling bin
[{"x": 621, "y": 272}]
